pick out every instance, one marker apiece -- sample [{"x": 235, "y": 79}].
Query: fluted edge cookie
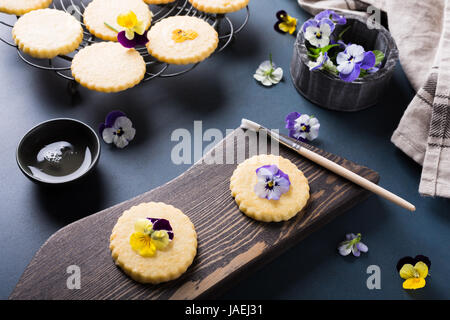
[
  {"x": 182, "y": 40},
  {"x": 244, "y": 179},
  {"x": 108, "y": 67},
  {"x": 219, "y": 6},
  {"x": 46, "y": 33},
  {"x": 20, "y": 7},
  {"x": 98, "y": 12},
  {"x": 161, "y": 265}
]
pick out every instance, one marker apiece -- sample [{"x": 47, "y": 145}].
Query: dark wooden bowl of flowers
[{"x": 351, "y": 72}]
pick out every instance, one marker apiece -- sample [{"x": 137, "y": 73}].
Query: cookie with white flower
[
  {"x": 20, "y": 7},
  {"x": 219, "y": 6},
  {"x": 46, "y": 33},
  {"x": 269, "y": 188},
  {"x": 182, "y": 40},
  {"x": 153, "y": 242},
  {"x": 108, "y": 67},
  {"x": 100, "y": 16}
]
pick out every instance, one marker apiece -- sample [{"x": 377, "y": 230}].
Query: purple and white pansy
[
  {"x": 117, "y": 129},
  {"x": 302, "y": 127},
  {"x": 272, "y": 182},
  {"x": 352, "y": 244},
  {"x": 352, "y": 60},
  {"x": 318, "y": 32},
  {"x": 327, "y": 51}
]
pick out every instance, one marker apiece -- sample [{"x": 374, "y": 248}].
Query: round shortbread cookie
[
  {"x": 243, "y": 182},
  {"x": 202, "y": 40},
  {"x": 167, "y": 264},
  {"x": 108, "y": 67},
  {"x": 46, "y": 33},
  {"x": 20, "y": 7},
  {"x": 219, "y": 6},
  {"x": 100, "y": 11}
]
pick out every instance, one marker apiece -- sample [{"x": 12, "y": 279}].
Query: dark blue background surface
[{"x": 220, "y": 92}]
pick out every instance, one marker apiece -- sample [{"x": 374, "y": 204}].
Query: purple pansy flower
[
  {"x": 138, "y": 40},
  {"x": 117, "y": 129},
  {"x": 330, "y": 14},
  {"x": 302, "y": 126},
  {"x": 352, "y": 60},
  {"x": 162, "y": 224},
  {"x": 272, "y": 182},
  {"x": 352, "y": 244},
  {"x": 318, "y": 32}
]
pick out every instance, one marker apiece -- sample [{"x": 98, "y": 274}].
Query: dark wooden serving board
[{"x": 229, "y": 243}]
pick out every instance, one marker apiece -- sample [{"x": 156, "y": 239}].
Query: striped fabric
[{"x": 424, "y": 130}]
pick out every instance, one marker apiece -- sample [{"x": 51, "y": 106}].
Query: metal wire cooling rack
[{"x": 61, "y": 64}]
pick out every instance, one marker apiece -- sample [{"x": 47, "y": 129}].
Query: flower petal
[
  {"x": 344, "y": 248},
  {"x": 362, "y": 247},
  {"x": 108, "y": 135},
  {"x": 120, "y": 142},
  {"x": 342, "y": 57},
  {"x": 123, "y": 122},
  {"x": 351, "y": 76},
  {"x": 112, "y": 116},
  {"x": 414, "y": 283},
  {"x": 368, "y": 61},
  {"x": 407, "y": 271},
  {"x": 326, "y": 27},
  {"x": 124, "y": 41},
  {"x": 310, "y": 23},
  {"x": 422, "y": 269}
]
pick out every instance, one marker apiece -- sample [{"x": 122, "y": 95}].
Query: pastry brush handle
[{"x": 355, "y": 178}]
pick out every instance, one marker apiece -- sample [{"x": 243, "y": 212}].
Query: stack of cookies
[{"x": 108, "y": 66}]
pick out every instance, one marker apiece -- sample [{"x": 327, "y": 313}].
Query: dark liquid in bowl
[{"x": 61, "y": 161}]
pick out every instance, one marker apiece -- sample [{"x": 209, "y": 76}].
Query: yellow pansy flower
[
  {"x": 285, "y": 23},
  {"x": 414, "y": 275},
  {"x": 145, "y": 240},
  {"x": 131, "y": 24}
]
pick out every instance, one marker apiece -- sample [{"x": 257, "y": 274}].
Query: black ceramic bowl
[
  {"x": 328, "y": 90},
  {"x": 58, "y": 151}
]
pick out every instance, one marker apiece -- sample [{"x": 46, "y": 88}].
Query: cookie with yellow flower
[
  {"x": 105, "y": 18},
  {"x": 20, "y": 7},
  {"x": 108, "y": 67},
  {"x": 219, "y": 6},
  {"x": 269, "y": 188},
  {"x": 153, "y": 242},
  {"x": 182, "y": 40},
  {"x": 46, "y": 33}
]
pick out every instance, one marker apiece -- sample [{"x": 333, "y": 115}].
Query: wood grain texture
[{"x": 230, "y": 244}]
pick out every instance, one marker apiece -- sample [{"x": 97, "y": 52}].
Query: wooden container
[{"x": 328, "y": 90}]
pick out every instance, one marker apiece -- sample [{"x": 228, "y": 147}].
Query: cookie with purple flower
[{"x": 269, "y": 188}]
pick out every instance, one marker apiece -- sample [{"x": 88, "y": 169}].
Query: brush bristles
[{"x": 250, "y": 125}]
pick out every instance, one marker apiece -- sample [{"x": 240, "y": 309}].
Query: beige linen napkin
[{"x": 422, "y": 32}]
